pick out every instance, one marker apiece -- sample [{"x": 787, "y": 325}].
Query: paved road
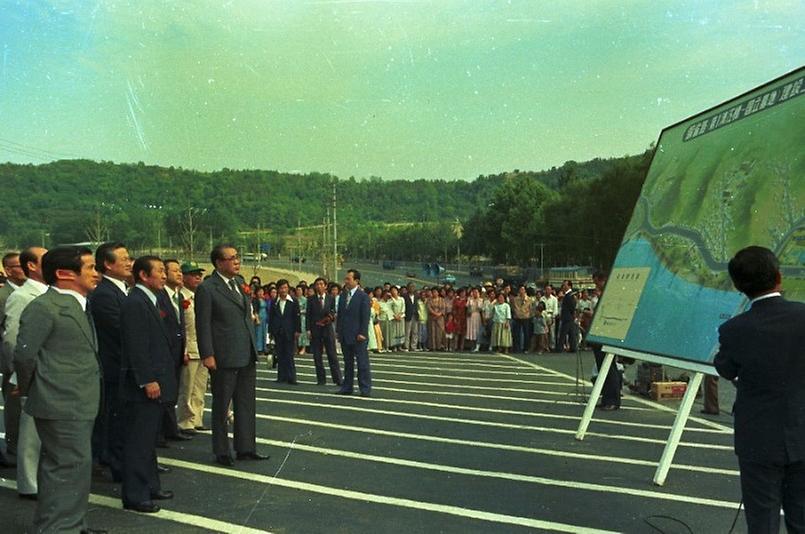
[{"x": 448, "y": 443}]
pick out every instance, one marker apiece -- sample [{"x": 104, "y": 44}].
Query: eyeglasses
[{"x": 236, "y": 257}]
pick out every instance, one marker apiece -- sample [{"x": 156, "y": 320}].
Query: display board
[{"x": 727, "y": 178}]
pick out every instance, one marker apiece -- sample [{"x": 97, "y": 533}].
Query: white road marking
[
  {"x": 656, "y": 405},
  {"x": 407, "y": 358},
  {"x": 168, "y": 515},
  {"x": 493, "y": 424},
  {"x": 389, "y": 501},
  {"x": 375, "y": 364},
  {"x": 465, "y": 407}
]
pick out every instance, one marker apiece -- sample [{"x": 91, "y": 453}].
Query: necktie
[
  {"x": 321, "y": 301},
  {"x": 178, "y": 301},
  {"x": 91, "y": 322},
  {"x": 349, "y": 297},
  {"x": 233, "y": 285}
]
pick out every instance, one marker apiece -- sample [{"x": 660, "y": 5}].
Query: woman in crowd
[
  {"x": 489, "y": 314},
  {"x": 541, "y": 329},
  {"x": 260, "y": 311},
  {"x": 474, "y": 318},
  {"x": 397, "y": 327},
  {"x": 374, "y": 318},
  {"x": 385, "y": 319},
  {"x": 301, "y": 301},
  {"x": 422, "y": 313},
  {"x": 254, "y": 283},
  {"x": 436, "y": 320},
  {"x": 501, "y": 331},
  {"x": 460, "y": 318}
]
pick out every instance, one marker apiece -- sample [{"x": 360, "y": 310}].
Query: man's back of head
[{"x": 755, "y": 271}]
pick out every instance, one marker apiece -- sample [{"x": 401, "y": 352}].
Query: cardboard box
[{"x": 663, "y": 391}]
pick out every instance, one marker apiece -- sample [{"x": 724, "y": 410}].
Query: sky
[{"x": 398, "y": 89}]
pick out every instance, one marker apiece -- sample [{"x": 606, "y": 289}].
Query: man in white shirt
[
  {"x": 28, "y": 445},
  {"x": 550, "y": 313}
]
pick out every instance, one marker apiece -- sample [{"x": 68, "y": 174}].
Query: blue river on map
[{"x": 674, "y": 317}]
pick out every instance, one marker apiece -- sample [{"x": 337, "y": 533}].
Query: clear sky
[{"x": 398, "y": 89}]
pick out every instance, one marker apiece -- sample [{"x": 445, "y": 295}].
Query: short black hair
[
  {"x": 217, "y": 252},
  {"x": 283, "y": 282},
  {"x": 356, "y": 274},
  {"x": 143, "y": 264},
  {"x": 25, "y": 256},
  {"x": 754, "y": 270},
  {"x": 171, "y": 260},
  {"x": 66, "y": 257},
  {"x": 316, "y": 281},
  {"x": 106, "y": 252},
  {"x": 9, "y": 256}
]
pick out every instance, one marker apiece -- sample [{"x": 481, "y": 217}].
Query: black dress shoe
[
  {"x": 29, "y": 496},
  {"x": 608, "y": 407},
  {"x": 145, "y": 507},
  {"x": 189, "y": 431},
  {"x": 225, "y": 460},
  {"x": 162, "y": 495},
  {"x": 321, "y": 383},
  {"x": 162, "y": 469},
  {"x": 365, "y": 394},
  {"x": 93, "y": 531},
  {"x": 293, "y": 383},
  {"x": 252, "y": 456},
  {"x": 180, "y": 437},
  {"x": 343, "y": 392},
  {"x": 202, "y": 428}
]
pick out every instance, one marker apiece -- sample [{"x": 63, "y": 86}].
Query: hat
[{"x": 191, "y": 267}]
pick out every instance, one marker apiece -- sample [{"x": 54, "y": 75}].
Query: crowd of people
[{"x": 443, "y": 318}]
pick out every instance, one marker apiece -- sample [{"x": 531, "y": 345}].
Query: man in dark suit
[
  {"x": 319, "y": 320},
  {"x": 170, "y": 302},
  {"x": 114, "y": 264},
  {"x": 15, "y": 278},
  {"x": 567, "y": 315},
  {"x": 411, "y": 318},
  {"x": 285, "y": 325},
  {"x": 353, "y": 331},
  {"x": 147, "y": 383},
  {"x": 59, "y": 372},
  {"x": 227, "y": 343},
  {"x": 763, "y": 351}
]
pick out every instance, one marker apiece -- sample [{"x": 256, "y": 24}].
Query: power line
[{"x": 46, "y": 152}]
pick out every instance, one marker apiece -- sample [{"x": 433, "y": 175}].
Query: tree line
[{"x": 577, "y": 211}]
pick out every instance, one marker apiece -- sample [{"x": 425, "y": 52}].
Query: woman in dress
[
  {"x": 397, "y": 320},
  {"x": 301, "y": 300},
  {"x": 374, "y": 318},
  {"x": 260, "y": 309},
  {"x": 385, "y": 319},
  {"x": 501, "y": 332},
  {"x": 422, "y": 314},
  {"x": 488, "y": 314},
  {"x": 475, "y": 306},
  {"x": 460, "y": 318},
  {"x": 436, "y": 321}
]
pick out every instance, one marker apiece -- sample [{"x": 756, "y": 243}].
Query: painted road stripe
[
  {"x": 177, "y": 517},
  {"x": 508, "y": 380},
  {"x": 571, "y": 484},
  {"x": 493, "y": 424},
  {"x": 410, "y": 357},
  {"x": 658, "y": 406},
  {"x": 387, "y": 500},
  {"x": 486, "y": 410},
  {"x": 451, "y": 369}
]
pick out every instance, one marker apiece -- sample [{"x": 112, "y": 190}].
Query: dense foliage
[{"x": 578, "y": 211}]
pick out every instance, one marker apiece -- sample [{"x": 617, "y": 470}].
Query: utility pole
[
  {"x": 541, "y": 260},
  {"x": 335, "y": 234}
]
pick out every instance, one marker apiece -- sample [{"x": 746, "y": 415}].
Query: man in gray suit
[
  {"x": 28, "y": 439},
  {"x": 58, "y": 369},
  {"x": 227, "y": 345},
  {"x": 15, "y": 277}
]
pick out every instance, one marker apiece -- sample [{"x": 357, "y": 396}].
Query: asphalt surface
[{"x": 447, "y": 443}]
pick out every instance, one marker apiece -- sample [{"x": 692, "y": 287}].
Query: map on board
[{"x": 727, "y": 178}]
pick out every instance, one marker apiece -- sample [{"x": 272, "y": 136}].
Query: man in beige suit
[{"x": 193, "y": 377}]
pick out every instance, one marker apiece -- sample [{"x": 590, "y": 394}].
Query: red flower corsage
[
  {"x": 162, "y": 314},
  {"x": 185, "y": 304},
  {"x": 247, "y": 290}
]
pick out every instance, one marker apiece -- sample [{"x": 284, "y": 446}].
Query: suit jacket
[
  {"x": 191, "y": 341},
  {"x": 318, "y": 313},
  {"x": 57, "y": 361},
  {"x": 174, "y": 326},
  {"x": 5, "y": 359},
  {"x": 764, "y": 348},
  {"x": 411, "y": 308},
  {"x": 224, "y": 324},
  {"x": 285, "y": 324},
  {"x": 568, "y": 311},
  {"x": 146, "y": 350},
  {"x": 105, "y": 303},
  {"x": 15, "y": 305},
  {"x": 353, "y": 320}
]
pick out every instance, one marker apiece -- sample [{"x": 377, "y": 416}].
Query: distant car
[
  {"x": 389, "y": 265},
  {"x": 448, "y": 279},
  {"x": 476, "y": 270},
  {"x": 410, "y": 275},
  {"x": 251, "y": 256}
]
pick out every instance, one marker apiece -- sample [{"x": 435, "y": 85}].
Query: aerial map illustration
[{"x": 727, "y": 178}]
